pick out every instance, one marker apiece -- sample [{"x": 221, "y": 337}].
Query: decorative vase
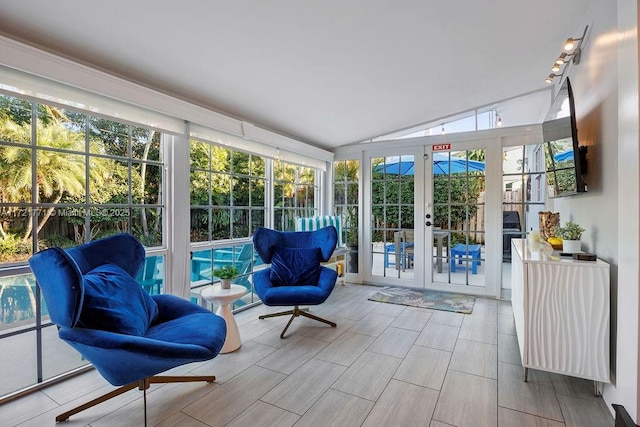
[
  {"x": 225, "y": 283},
  {"x": 571, "y": 246}
]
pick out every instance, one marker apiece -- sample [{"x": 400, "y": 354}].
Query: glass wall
[
  {"x": 228, "y": 202},
  {"x": 227, "y": 193},
  {"x": 67, "y": 177},
  {"x": 346, "y": 174},
  {"x": 294, "y": 194},
  {"x": 392, "y": 213},
  {"x": 459, "y": 213},
  {"x": 523, "y": 196}
]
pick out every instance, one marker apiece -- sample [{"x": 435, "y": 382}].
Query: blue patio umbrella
[
  {"x": 442, "y": 164},
  {"x": 564, "y": 155}
]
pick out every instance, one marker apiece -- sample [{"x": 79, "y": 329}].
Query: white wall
[{"x": 605, "y": 86}]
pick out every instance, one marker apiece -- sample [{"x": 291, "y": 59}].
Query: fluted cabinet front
[{"x": 563, "y": 312}]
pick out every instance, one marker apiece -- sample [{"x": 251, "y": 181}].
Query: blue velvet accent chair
[
  {"x": 295, "y": 276},
  {"x": 128, "y": 335}
]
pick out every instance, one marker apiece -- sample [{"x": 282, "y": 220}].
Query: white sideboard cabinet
[{"x": 561, "y": 312}]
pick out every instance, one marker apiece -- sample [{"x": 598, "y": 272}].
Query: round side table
[{"x": 224, "y": 298}]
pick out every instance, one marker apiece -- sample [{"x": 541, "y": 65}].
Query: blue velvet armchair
[
  {"x": 103, "y": 313},
  {"x": 295, "y": 276}
]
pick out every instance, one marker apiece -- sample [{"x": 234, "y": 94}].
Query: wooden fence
[{"x": 511, "y": 201}]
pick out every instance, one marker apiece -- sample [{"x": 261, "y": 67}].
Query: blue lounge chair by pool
[{"x": 241, "y": 256}]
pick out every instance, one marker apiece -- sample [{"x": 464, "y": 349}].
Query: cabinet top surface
[{"x": 528, "y": 254}]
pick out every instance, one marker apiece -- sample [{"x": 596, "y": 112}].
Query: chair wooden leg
[
  {"x": 117, "y": 392},
  {"x": 288, "y": 324},
  {"x": 142, "y": 385},
  {"x": 297, "y": 311},
  {"x": 157, "y": 379},
  {"x": 280, "y": 313},
  {"x": 144, "y": 397},
  {"x": 319, "y": 319}
]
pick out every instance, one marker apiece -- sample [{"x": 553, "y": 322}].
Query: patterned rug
[{"x": 435, "y": 300}]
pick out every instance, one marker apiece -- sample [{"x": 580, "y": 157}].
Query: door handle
[{"x": 428, "y": 223}]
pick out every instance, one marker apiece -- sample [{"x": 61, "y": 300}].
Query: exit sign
[{"x": 440, "y": 147}]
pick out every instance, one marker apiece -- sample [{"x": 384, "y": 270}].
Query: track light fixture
[
  {"x": 551, "y": 76},
  {"x": 562, "y": 59},
  {"x": 573, "y": 48},
  {"x": 570, "y": 43}
]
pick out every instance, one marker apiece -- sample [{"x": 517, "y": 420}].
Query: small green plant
[
  {"x": 226, "y": 272},
  {"x": 570, "y": 231}
]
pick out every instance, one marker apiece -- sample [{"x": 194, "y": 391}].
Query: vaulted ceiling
[{"x": 329, "y": 72}]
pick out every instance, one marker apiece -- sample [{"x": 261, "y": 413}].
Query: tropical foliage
[
  {"x": 455, "y": 199},
  {"x": 90, "y": 176}
]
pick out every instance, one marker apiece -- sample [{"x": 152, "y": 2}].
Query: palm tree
[{"x": 57, "y": 173}]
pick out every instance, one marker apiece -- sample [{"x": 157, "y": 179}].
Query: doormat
[{"x": 435, "y": 300}]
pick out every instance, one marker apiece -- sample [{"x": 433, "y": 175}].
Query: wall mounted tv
[{"x": 565, "y": 160}]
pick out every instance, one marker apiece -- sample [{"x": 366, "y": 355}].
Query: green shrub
[
  {"x": 58, "y": 241},
  {"x": 13, "y": 248}
]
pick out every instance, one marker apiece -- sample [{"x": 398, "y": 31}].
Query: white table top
[
  {"x": 216, "y": 292},
  {"x": 534, "y": 254}
]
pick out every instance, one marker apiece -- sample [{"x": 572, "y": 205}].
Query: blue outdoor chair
[
  {"x": 295, "y": 276},
  {"x": 127, "y": 335}
]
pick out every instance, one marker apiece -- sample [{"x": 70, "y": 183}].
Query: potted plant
[
  {"x": 570, "y": 235},
  {"x": 226, "y": 273}
]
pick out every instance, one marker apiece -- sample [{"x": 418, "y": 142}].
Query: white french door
[
  {"x": 460, "y": 218},
  {"x": 427, "y": 216},
  {"x": 393, "y": 209}
]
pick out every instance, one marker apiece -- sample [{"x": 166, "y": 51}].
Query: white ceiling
[{"x": 329, "y": 72}]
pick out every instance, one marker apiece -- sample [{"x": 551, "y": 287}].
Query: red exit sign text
[{"x": 440, "y": 147}]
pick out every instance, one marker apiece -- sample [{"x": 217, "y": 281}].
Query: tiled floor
[{"x": 384, "y": 365}]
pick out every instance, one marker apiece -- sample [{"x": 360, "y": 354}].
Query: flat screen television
[{"x": 565, "y": 160}]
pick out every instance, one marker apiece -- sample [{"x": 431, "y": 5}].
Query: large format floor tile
[
  {"x": 290, "y": 357},
  {"x": 230, "y": 399},
  {"x": 301, "y": 389},
  {"x": 475, "y": 358},
  {"x": 368, "y": 376},
  {"x": 336, "y": 408},
  {"x": 424, "y": 366},
  {"x": 383, "y": 365},
  {"x": 394, "y": 342},
  {"x": 346, "y": 348},
  {"x": 262, "y": 414},
  {"x": 467, "y": 400},
  {"x": 440, "y": 336},
  {"x": 403, "y": 404},
  {"x": 535, "y": 397}
]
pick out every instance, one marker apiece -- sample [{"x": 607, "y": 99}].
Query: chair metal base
[
  {"x": 295, "y": 313},
  {"x": 142, "y": 385}
]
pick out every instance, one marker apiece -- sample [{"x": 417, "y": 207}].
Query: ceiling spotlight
[
  {"x": 570, "y": 43},
  {"x": 555, "y": 68},
  {"x": 562, "y": 59},
  {"x": 498, "y": 121},
  {"x": 550, "y": 78}
]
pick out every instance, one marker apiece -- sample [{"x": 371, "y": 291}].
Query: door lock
[
  {"x": 428, "y": 216},
  {"x": 428, "y": 223}
]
